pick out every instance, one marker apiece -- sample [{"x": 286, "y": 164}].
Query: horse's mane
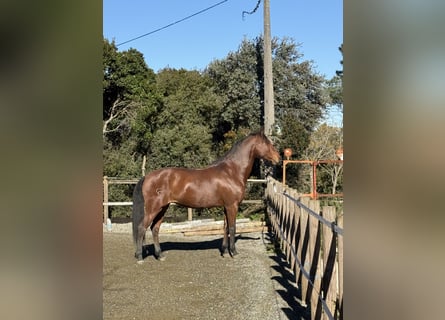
[{"x": 233, "y": 152}]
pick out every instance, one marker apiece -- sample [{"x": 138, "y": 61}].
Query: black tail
[{"x": 138, "y": 207}]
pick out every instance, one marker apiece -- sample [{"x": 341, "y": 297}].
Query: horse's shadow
[{"x": 215, "y": 244}]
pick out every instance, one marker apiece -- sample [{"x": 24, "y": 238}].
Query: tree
[
  {"x": 300, "y": 96},
  {"x": 187, "y": 96},
  {"x": 128, "y": 85},
  {"x": 299, "y": 90},
  {"x": 129, "y": 101},
  {"x": 236, "y": 80},
  {"x": 335, "y": 85},
  {"x": 185, "y": 121}
]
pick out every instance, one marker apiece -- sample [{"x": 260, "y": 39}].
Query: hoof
[
  {"x": 160, "y": 256},
  {"x": 224, "y": 251},
  {"x": 138, "y": 256}
]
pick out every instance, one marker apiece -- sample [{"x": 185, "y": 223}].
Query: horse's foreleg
[
  {"x": 231, "y": 228},
  {"x": 225, "y": 243},
  {"x": 232, "y": 232},
  {"x": 155, "y": 232}
]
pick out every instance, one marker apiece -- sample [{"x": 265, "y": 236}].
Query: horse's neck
[{"x": 245, "y": 163}]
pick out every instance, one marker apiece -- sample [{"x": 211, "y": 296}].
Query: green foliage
[
  {"x": 299, "y": 92},
  {"x": 126, "y": 75},
  {"x": 129, "y": 96},
  {"x": 300, "y": 95},
  {"x": 181, "y": 146},
  {"x": 187, "y": 99},
  {"x": 184, "y": 123},
  {"x": 335, "y": 85},
  {"x": 335, "y": 89},
  {"x": 236, "y": 80},
  {"x": 296, "y": 137},
  {"x": 298, "y": 89},
  {"x": 130, "y": 101},
  {"x": 119, "y": 162}
]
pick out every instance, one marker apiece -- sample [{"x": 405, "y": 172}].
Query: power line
[
  {"x": 254, "y": 9},
  {"x": 173, "y": 23}
]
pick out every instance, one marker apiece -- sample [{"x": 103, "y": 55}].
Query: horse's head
[{"x": 264, "y": 148}]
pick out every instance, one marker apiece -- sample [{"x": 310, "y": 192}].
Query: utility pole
[{"x": 269, "y": 115}]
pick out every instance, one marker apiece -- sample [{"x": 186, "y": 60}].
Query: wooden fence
[{"x": 312, "y": 240}]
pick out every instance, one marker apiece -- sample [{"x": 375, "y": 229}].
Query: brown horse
[{"x": 222, "y": 184}]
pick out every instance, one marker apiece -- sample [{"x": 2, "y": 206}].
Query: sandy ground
[{"x": 195, "y": 282}]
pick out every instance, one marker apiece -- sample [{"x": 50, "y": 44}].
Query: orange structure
[{"x": 313, "y": 163}]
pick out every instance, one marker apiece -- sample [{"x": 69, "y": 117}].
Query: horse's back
[
  {"x": 197, "y": 188},
  {"x": 172, "y": 175}
]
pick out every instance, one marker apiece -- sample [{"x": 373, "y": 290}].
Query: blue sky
[{"x": 192, "y": 44}]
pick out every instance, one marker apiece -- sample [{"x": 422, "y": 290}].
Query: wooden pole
[
  {"x": 105, "y": 199},
  {"x": 144, "y": 160},
  {"x": 284, "y": 172},
  {"x": 189, "y": 214},
  {"x": 314, "y": 180},
  {"x": 269, "y": 116}
]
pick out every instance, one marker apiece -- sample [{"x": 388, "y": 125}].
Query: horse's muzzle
[{"x": 275, "y": 159}]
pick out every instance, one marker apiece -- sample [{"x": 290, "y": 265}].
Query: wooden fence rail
[{"x": 312, "y": 240}]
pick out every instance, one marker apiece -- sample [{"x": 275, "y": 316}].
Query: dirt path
[{"x": 195, "y": 282}]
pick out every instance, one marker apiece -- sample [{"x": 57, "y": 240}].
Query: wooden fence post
[
  {"x": 340, "y": 266},
  {"x": 293, "y": 228},
  {"x": 105, "y": 199},
  {"x": 280, "y": 214},
  {"x": 286, "y": 226},
  {"x": 189, "y": 214},
  {"x": 303, "y": 250},
  {"x": 314, "y": 262},
  {"x": 329, "y": 284},
  {"x": 296, "y": 236},
  {"x": 271, "y": 205}
]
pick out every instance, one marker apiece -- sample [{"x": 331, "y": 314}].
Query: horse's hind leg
[
  {"x": 139, "y": 241},
  {"x": 155, "y": 232},
  {"x": 140, "y": 238}
]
